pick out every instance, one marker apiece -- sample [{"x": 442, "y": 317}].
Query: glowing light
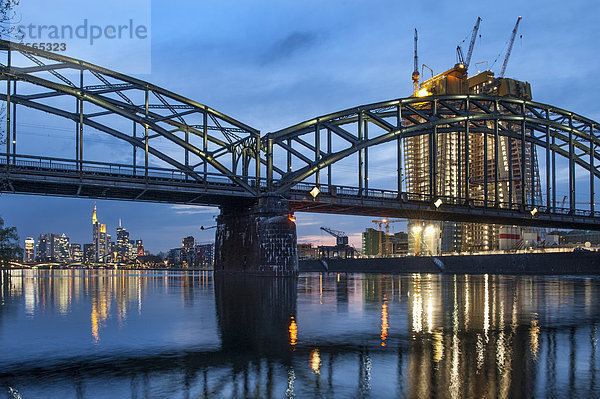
[
  {"x": 417, "y": 229},
  {"x": 315, "y": 191},
  {"x": 534, "y": 211},
  {"x": 384, "y": 322},
  {"x": 423, "y": 93},
  {"x": 293, "y": 329},
  {"x": 429, "y": 230},
  {"x": 417, "y": 307},
  {"x": 486, "y": 307},
  {"x": 437, "y": 203},
  {"x": 315, "y": 361},
  {"x": 292, "y": 218},
  {"x": 438, "y": 346},
  {"x": 534, "y": 332},
  {"x": 94, "y": 219}
]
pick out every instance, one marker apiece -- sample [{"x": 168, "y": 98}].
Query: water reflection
[
  {"x": 255, "y": 313},
  {"x": 192, "y": 335}
]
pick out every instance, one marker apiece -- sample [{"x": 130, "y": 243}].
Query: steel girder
[
  {"x": 228, "y": 146},
  {"x": 551, "y": 129}
]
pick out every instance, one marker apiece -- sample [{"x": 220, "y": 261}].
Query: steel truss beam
[
  {"x": 541, "y": 123},
  {"x": 240, "y": 139}
]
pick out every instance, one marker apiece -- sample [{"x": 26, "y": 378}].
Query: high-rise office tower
[
  {"x": 122, "y": 245},
  {"x": 63, "y": 253},
  {"x": 29, "y": 254},
  {"x": 76, "y": 252},
  {"x": 48, "y": 248},
  {"x": 187, "y": 250},
  {"x": 99, "y": 239},
  {"x": 470, "y": 164}
]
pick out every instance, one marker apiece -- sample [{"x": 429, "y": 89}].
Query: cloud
[
  {"x": 193, "y": 209},
  {"x": 290, "y": 45}
]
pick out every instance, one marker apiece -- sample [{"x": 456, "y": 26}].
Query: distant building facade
[
  {"x": 76, "y": 253},
  {"x": 29, "y": 253},
  {"x": 378, "y": 243}
]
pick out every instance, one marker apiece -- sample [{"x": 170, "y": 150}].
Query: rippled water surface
[{"x": 121, "y": 334}]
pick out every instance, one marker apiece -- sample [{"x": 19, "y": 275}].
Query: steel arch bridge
[{"x": 534, "y": 157}]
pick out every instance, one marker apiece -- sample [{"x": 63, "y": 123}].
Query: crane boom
[
  {"x": 415, "y": 74},
  {"x": 341, "y": 237},
  {"x": 510, "y": 45},
  {"x": 335, "y": 233},
  {"x": 472, "y": 43}
]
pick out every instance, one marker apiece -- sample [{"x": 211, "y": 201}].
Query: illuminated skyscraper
[
  {"x": 99, "y": 239},
  {"x": 122, "y": 246},
  {"x": 88, "y": 253},
  {"x": 187, "y": 250},
  {"x": 29, "y": 255},
  {"x": 76, "y": 253},
  {"x": 62, "y": 250},
  {"x": 48, "y": 248},
  {"x": 140, "y": 247},
  {"x": 465, "y": 162}
]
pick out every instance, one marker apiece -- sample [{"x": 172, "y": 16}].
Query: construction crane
[
  {"x": 415, "y": 74},
  {"x": 385, "y": 222},
  {"x": 341, "y": 237},
  {"x": 510, "y": 45},
  {"x": 472, "y": 43}
]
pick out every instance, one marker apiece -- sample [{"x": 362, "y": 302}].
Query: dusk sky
[{"x": 271, "y": 64}]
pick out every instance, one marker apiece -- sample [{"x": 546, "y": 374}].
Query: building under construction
[{"x": 491, "y": 167}]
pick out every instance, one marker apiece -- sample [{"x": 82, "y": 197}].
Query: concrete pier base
[{"x": 257, "y": 239}]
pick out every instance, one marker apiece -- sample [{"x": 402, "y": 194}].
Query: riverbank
[{"x": 565, "y": 263}]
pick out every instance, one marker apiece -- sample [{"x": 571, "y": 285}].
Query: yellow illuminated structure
[
  {"x": 451, "y": 158},
  {"x": 100, "y": 239}
]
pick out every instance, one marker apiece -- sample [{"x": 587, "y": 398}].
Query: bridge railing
[
  {"x": 97, "y": 168},
  {"x": 103, "y": 168},
  {"x": 338, "y": 191}
]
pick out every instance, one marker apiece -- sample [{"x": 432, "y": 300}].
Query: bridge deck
[{"x": 60, "y": 177}]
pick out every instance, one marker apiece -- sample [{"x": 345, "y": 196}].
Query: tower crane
[
  {"x": 415, "y": 74},
  {"x": 385, "y": 222},
  {"x": 472, "y": 43},
  {"x": 510, "y": 45},
  {"x": 341, "y": 237}
]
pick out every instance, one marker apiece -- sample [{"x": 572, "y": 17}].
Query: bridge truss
[
  {"x": 203, "y": 142},
  {"x": 534, "y": 156},
  {"x": 515, "y": 133}
]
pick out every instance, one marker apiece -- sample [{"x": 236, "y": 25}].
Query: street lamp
[
  {"x": 437, "y": 203},
  {"x": 315, "y": 191}
]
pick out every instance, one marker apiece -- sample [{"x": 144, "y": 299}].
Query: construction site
[
  {"x": 481, "y": 168},
  {"x": 490, "y": 165}
]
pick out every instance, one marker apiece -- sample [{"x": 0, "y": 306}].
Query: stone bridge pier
[{"x": 259, "y": 239}]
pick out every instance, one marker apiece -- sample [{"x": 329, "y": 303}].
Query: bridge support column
[{"x": 257, "y": 239}]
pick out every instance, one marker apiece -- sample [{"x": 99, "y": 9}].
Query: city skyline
[
  {"x": 255, "y": 56},
  {"x": 100, "y": 247}
]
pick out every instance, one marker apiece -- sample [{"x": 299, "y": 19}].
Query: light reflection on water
[{"x": 107, "y": 333}]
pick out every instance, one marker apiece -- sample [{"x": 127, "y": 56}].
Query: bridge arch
[
  {"x": 105, "y": 99},
  {"x": 555, "y": 134}
]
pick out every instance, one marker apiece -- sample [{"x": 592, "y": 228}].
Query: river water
[{"x": 138, "y": 334}]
